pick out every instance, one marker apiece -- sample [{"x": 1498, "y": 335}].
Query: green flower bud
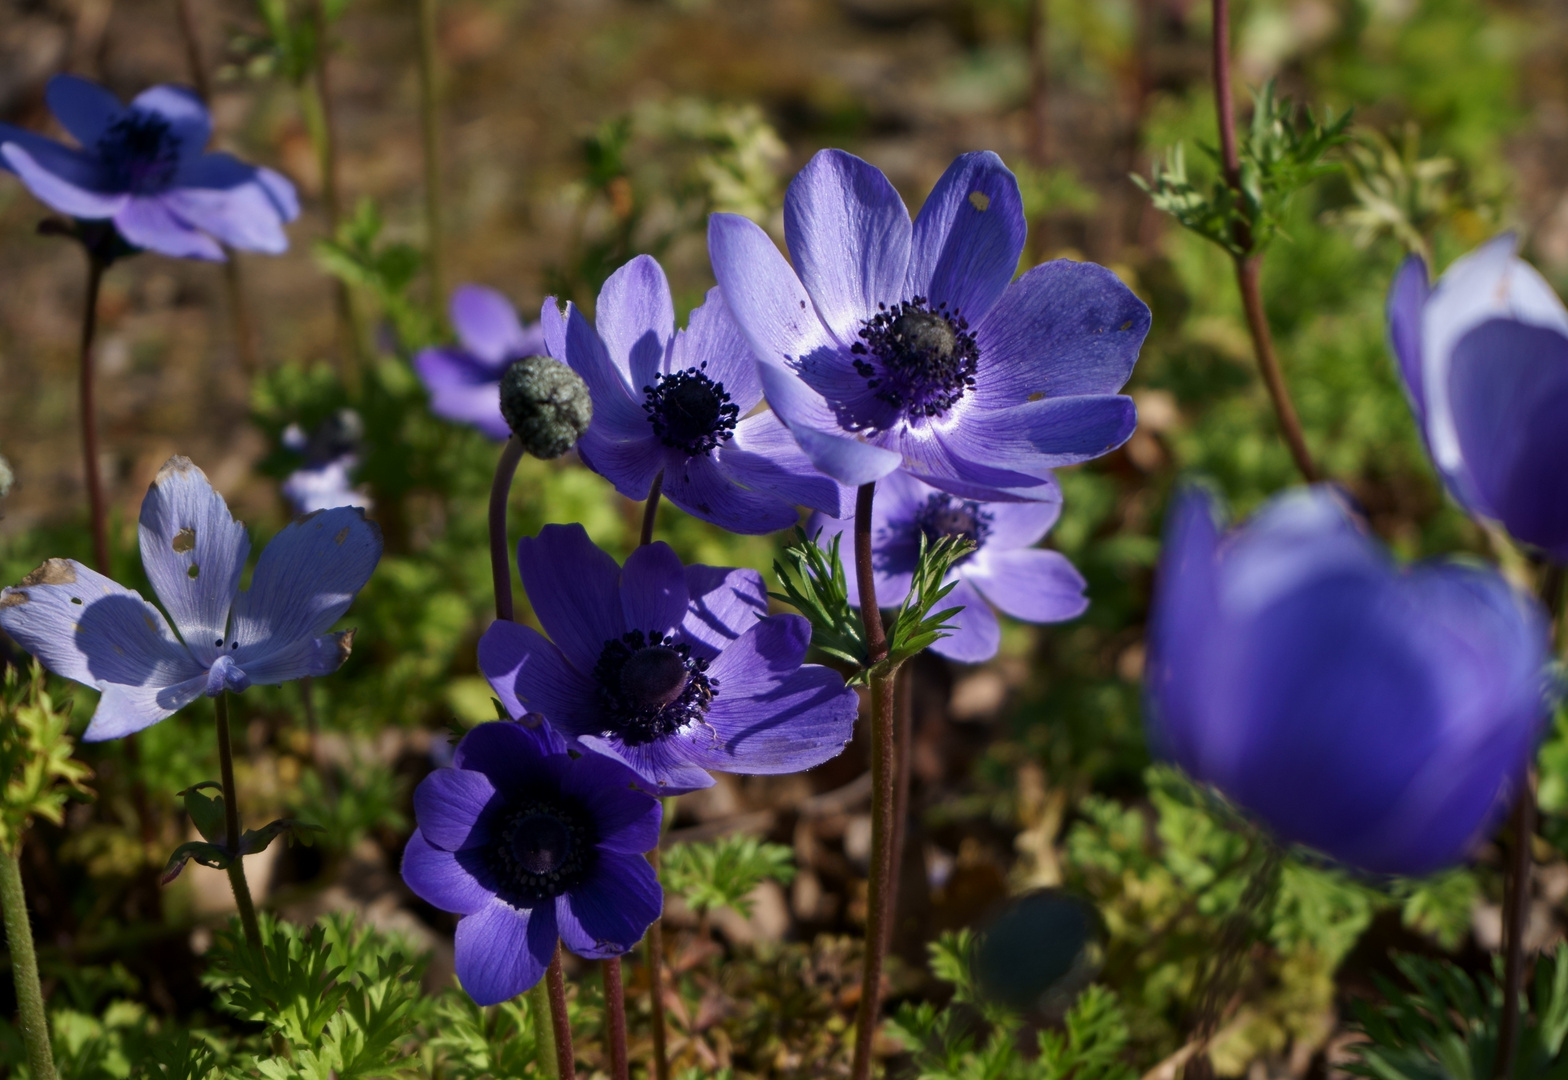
[{"x": 545, "y": 404}]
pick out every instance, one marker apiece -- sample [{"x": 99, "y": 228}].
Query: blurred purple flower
[
  {"x": 465, "y": 381},
  {"x": 672, "y": 670},
  {"x": 895, "y": 346},
  {"x": 1484, "y": 358},
  {"x": 330, "y": 452},
  {"x": 679, "y": 402},
  {"x": 1028, "y": 583},
  {"x": 141, "y": 165},
  {"x": 1382, "y": 716},
  {"x": 84, "y": 627},
  {"x": 528, "y": 845}
]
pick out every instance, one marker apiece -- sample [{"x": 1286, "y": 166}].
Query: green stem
[
  {"x": 24, "y": 967},
  {"x": 231, "y": 827},
  {"x": 544, "y": 1030}
]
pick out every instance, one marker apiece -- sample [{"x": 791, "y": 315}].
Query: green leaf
[
  {"x": 206, "y": 813},
  {"x": 815, "y": 585},
  {"x": 38, "y": 776},
  {"x": 208, "y": 854},
  {"x": 724, "y": 873}
]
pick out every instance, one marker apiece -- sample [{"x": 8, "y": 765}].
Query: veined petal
[
  {"x": 312, "y": 657},
  {"x": 575, "y": 591},
  {"x": 725, "y": 603},
  {"x": 702, "y": 488},
  {"x": 243, "y": 217},
  {"x": 976, "y": 635},
  {"x": 83, "y": 108},
  {"x": 713, "y": 341},
  {"x": 617, "y": 411},
  {"x": 661, "y": 766},
  {"x": 437, "y": 878},
  {"x": 768, "y": 301},
  {"x": 503, "y": 951},
  {"x": 609, "y": 912},
  {"x": 450, "y": 806},
  {"x": 765, "y": 457},
  {"x": 635, "y": 317},
  {"x": 629, "y": 464},
  {"x": 967, "y": 237},
  {"x": 147, "y": 222},
  {"x": 1032, "y": 584},
  {"x": 626, "y": 819},
  {"x": 516, "y": 757},
  {"x": 531, "y": 677},
  {"x": 653, "y": 589},
  {"x": 66, "y": 180}
]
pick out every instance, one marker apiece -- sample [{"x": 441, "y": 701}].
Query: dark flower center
[
  {"x": 140, "y": 151},
  {"x": 944, "y": 515},
  {"x": 689, "y": 411},
  {"x": 918, "y": 359},
  {"x": 650, "y": 687},
  {"x": 542, "y": 850}
]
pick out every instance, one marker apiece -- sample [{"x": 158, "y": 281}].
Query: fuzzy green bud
[{"x": 546, "y": 404}]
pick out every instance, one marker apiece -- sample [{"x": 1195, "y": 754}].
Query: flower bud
[{"x": 546, "y": 404}]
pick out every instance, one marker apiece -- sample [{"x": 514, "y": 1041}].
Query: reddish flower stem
[
  {"x": 615, "y": 1016},
  {"x": 650, "y": 510},
  {"x": 500, "y": 550},
  {"x": 555, "y": 987},
  {"x": 89, "y": 407},
  {"x": 661, "y": 1054}
]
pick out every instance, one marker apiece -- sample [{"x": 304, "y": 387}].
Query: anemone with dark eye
[
  {"x": 689, "y": 411},
  {"x": 919, "y": 359}
]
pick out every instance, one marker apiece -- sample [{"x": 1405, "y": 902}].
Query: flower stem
[
  {"x": 430, "y": 130},
  {"x": 650, "y": 510},
  {"x": 95, "y": 500},
  {"x": 231, "y": 826},
  {"x": 555, "y": 987},
  {"x": 903, "y": 738},
  {"x": 661, "y": 1058},
  {"x": 1249, "y": 266},
  {"x": 544, "y": 1031},
  {"x": 500, "y": 552},
  {"x": 881, "y": 892},
  {"x": 615, "y": 1016},
  {"x": 24, "y": 967}
]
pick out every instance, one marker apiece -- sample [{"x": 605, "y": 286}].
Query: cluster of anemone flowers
[{"x": 897, "y": 378}]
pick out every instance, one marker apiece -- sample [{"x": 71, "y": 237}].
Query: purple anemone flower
[
  {"x": 672, "y": 670},
  {"x": 86, "y": 628},
  {"x": 1382, "y": 716},
  {"x": 891, "y": 345},
  {"x": 1026, "y": 582},
  {"x": 529, "y": 845},
  {"x": 142, "y": 166},
  {"x": 331, "y": 452},
  {"x": 1484, "y": 358},
  {"x": 679, "y": 402},
  {"x": 465, "y": 381}
]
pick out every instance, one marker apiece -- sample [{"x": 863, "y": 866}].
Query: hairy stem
[
  {"x": 881, "y": 892},
  {"x": 89, "y": 406},
  {"x": 231, "y": 826},
  {"x": 1249, "y": 266},
  {"x": 555, "y": 987},
  {"x": 24, "y": 967},
  {"x": 430, "y": 130},
  {"x": 544, "y": 1030},
  {"x": 615, "y": 1016},
  {"x": 500, "y": 551},
  {"x": 903, "y": 737}
]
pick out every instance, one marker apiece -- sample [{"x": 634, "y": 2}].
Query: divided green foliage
[
  {"x": 725, "y": 872},
  {"x": 477, "y": 1043},
  {"x": 385, "y": 270},
  {"x": 38, "y": 776}
]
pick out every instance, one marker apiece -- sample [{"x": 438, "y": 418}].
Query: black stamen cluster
[
  {"x": 925, "y": 358},
  {"x": 689, "y": 411},
  {"x": 638, "y": 711},
  {"x": 142, "y": 149},
  {"x": 944, "y": 515},
  {"x": 541, "y": 849}
]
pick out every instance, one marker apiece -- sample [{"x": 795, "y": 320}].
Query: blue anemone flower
[
  {"x": 331, "y": 453},
  {"x": 1006, "y": 570},
  {"x": 680, "y": 403},
  {"x": 891, "y": 345},
  {"x": 465, "y": 381},
  {"x": 142, "y": 166},
  {"x": 671, "y": 669},
  {"x": 529, "y": 845},
  {"x": 1384, "y": 716},
  {"x": 87, "y": 628},
  {"x": 1484, "y": 358}
]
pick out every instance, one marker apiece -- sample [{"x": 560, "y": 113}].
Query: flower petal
[
  {"x": 503, "y": 951},
  {"x": 849, "y": 237},
  {"x": 769, "y": 303},
  {"x": 653, "y": 589},
  {"x": 242, "y": 217},
  {"x": 976, "y": 635},
  {"x": 531, "y": 676},
  {"x": 635, "y": 316},
  {"x": 705, "y": 490},
  {"x": 450, "y": 805},
  {"x": 304, "y": 581},
  {"x": 629, "y": 464},
  {"x": 661, "y": 765},
  {"x": 1032, "y": 584},
  {"x": 725, "y": 603},
  {"x": 575, "y": 591},
  {"x": 986, "y": 457},
  {"x": 463, "y": 389},
  {"x": 280, "y": 190},
  {"x": 487, "y": 324},
  {"x": 626, "y": 819},
  {"x": 83, "y": 108},
  {"x": 148, "y": 223},
  {"x": 515, "y": 756},
  {"x": 609, "y": 912},
  {"x": 713, "y": 341},
  {"x": 617, "y": 410},
  {"x": 437, "y": 878},
  {"x": 1014, "y": 525},
  {"x": 1406, "y": 298},
  {"x": 552, "y": 326},
  {"x": 967, "y": 237},
  {"x": 194, "y": 552},
  {"x": 765, "y": 457},
  {"x": 64, "y": 179},
  {"x": 188, "y": 119}
]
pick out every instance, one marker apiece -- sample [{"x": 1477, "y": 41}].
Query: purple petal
[
  {"x": 194, "y": 552},
  {"x": 617, "y": 410},
  {"x": 844, "y": 458},
  {"x": 437, "y": 878},
  {"x": 503, "y": 951},
  {"x": 1061, "y": 431},
  {"x": 978, "y": 457},
  {"x": 1032, "y": 584},
  {"x": 187, "y": 117},
  {"x": 552, "y": 327},
  {"x": 1064, "y": 328},
  {"x": 765, "y": 457},
  {"x": 609, "y": 913},
  {"x": 661, "y": 766},
  {"x": 713, "y": 341},
  {"x": 304, "y": 581},
  {"x": 635, "y": 317},
  {"x": 148, "y": 223},
  {"x": 1406, "y": 298},
  {"x": 574, "y": 589},
  {"x": 763, "y": 294},
  {"x": 1016, "y": 525},
  {"x": 516, "y": 757},
  {"x": 313, "y": 657},
  {"x": 629, "y": 464},
  {"x": 244, "y": 218},
  {"x": 530, "y": 676},
  {"x": 84, "y": 627},
  {"x": 653, "y": 589},
  {"x": 703, "y": 489},
  {"x": 725, "y": 603},
  {"x": 626, "y": 820},
  {"x": 83, "y": 108},
  {"x": 449, "y": 806},
  {"x": 849, "y": 238},
  {"x": 755, "y": 662},
  {"x": 976, "y": 635},
  {"x": 463, "y": 390},
  {"x": 487, "y": 324},
  {"x": 967, "y": 237},
  {"x": 281, "y": 190},
  {"x": 66, "y": 180}
]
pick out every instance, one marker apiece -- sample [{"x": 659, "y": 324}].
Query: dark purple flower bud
[
  {"x": 531, "y": 845},
  {"x": 464, "y": 380},
  {"x": 1383, "y": 716},
  {"x": 1006, "y": 570},
  {"x": 143, "y": 166},
  {"x": 546, "y": 404},
  {"x": 892, "y": 344},
  {"x": 1484, "y": 358},
  {"x": 673, "y": 670}
]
